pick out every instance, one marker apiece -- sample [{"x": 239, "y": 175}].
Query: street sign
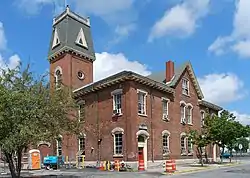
[{"x": 240, "y": 146}]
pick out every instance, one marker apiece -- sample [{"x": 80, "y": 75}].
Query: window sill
[
  {"x": 143, "y": 115},
  {"x": 118, "y": 115},
  {"x": 190, "y": 124},
  {"x": 183, "y": 154},
  {"x": 190, "y": 154},
  {"x": 186, "y": 95},
  {"x": 166, "y": 154},
  {"x": 117, "y": 156}
]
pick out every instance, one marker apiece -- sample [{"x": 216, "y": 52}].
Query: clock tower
[{"x": 71, "y": 52}]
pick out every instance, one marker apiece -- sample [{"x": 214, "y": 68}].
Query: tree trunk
[
  {"x": 19, "y": 162},
  {"x": 200, "y": 155},
  {"x": 222, "y": 153},
  {"x": 230, "y": 158},
  {"x": 11, "y": 165}
]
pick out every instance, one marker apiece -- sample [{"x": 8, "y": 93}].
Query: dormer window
[
  {"x": 185, "y": 87},
  {"x": 81, "y": 40},
  {"x": 56, "y": 40}
]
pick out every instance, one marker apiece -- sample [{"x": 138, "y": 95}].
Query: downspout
[
  {"x": 97, "y": 128},
  {"x": 151, "y": 124},
  {"x": 126, "y": 140}
]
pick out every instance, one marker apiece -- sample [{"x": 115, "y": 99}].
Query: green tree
[
  {"x": 200, "y": 140},
  {"x": 224, "y": 130},
  {"x": 30, "y": 112},
  {"x": 244, "y": 142}
]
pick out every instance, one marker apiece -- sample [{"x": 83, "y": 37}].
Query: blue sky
[{"x": 141, "y": 35}]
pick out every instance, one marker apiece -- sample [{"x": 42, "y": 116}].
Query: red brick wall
[{"x": 99, "y": 123}]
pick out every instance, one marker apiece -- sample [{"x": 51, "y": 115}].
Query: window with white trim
[
  {"x": 81, "y": 111},
  {"x": 182, "y": 107},
  {"x": 165, "y": 106},
  {"x": 183, "y": 144},
  {"x": 142, "y": 102},
  {"x": 202, "y": 118},
  {"x": 189, "y": 114},
  {"x": 81, "y": 144},
  {"x": 117, "y": 101},
  {"x": 185, "y": 87},
  {"x": 118, "y": 143},
  {"x": 58, "y": 78},
  {"x": 189, "y": 145},
  {"x": 165, "y": 143},
  {"x": 59, "y": 146}
]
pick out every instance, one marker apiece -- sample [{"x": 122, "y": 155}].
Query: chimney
[{"x": 169, "y": 70}]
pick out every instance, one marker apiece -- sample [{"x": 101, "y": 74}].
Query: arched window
[
  {"x": 189, "y": 110},
  {"x": 58, "y": 78},
  {"x": 165, "y": 142},
  {"x": 190, "y": 145},
  {"x": 183, "y": 143}
]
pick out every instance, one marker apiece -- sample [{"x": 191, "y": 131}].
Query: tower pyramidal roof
[{"x": 71, "y": 34}]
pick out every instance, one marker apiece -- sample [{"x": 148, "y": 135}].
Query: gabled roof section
[
  {"x": 210, "y": 105},
  {"x": 191, "y": 73},
  {"x": 160, "y": 77},
  {"x": 121, "y": 77}
]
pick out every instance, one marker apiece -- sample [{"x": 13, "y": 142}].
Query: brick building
[{"x": 126, "y": 113}]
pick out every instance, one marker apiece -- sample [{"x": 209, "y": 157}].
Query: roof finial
[{"x": 67, "y": 8}]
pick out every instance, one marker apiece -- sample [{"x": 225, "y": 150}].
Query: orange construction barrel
[
  {"x": 141, "y": 165},
  {"x": 169, "y": 166}
]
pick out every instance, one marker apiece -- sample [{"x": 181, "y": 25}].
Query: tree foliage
[
  {"x": 30, "y": 112},
  {"x": 223, "y": 130}
]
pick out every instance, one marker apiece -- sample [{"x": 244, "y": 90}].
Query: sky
[{"x": 141, "y": 35}]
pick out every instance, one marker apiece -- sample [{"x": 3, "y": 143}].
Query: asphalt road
[{"x": 242, "y": 171}]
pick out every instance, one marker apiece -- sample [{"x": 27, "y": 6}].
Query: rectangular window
[
  {"x": 118, "y": 143},
  {"x": 82, "y": 145},
  {"x": 142, "y": 102},
  {"x": 185, "y": 87},
  {"x": 165, "y": 106},
  {"x": 202, "y": 118},
  {"x": 59, "y": 147},
  {"x": 165, "y": 143},
  {"x": 81, "y": 112},
  {"x": 117, "y": 103}
]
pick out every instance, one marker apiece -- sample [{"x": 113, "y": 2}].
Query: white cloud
[
  {"x": 107, "y": 64},
  {"x": 11, "y": 63},
  {"x": 3, "y": 41},
  {"x": 242, "y": 118},
  {"x": 222, "y": 88},
  {"x": 108, "y": 10},
  {"x": 239, "y": 39},
  {"x": 181, "y": 20},
  {"x": 33, "y": 6}
]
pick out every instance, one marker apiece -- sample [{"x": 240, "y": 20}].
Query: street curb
[{"x": 188, "y": 171}]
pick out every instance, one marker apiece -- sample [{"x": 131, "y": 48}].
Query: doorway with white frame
[{"x": 142, "y": 138}]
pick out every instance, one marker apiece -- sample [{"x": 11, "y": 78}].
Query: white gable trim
[{"x": 81, "y": 37}]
